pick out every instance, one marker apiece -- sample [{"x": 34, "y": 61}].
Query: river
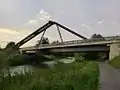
[{"x": 25, "y": 68}]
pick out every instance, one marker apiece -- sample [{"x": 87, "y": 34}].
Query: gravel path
[{"x": 109, "y": 77}]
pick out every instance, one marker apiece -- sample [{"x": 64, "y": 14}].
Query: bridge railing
[{"x": 84, "y": 41}]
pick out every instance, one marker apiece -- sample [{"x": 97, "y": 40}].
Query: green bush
[
  {"x": 79, "y": 56},
  {"x": 10, "y": 57},
  {"x": 18, "y": 59},
  {"x": 115, "y": 62},
  {"x": 74, "y": 76},
  {"x": 5, "y": 54}
]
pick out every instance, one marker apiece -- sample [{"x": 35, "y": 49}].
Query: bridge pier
[{"x": 114, "y": 50}]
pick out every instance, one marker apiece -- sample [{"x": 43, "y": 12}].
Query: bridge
[{"x": 105, "y": 44}]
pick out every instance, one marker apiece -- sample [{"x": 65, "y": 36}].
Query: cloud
[
  {"x": 32, "y": 22},
  {"x": 42, "y": 15},
  {"x": 41, "y": 18},
  {"x": 100, "y": 22},
  {"x": 8, "y": 31},
  {"x": 85, "y": 25},
  {"x": 8, "y": 35}
]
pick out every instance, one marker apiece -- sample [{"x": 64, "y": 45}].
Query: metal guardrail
[
  {"x": 84, "y": 41},
  {"x": 80, "y": 41}
]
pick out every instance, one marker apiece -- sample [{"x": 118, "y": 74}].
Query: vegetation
[
  {"x": 91, "y": 56},
  {"x": 43, "y": 41},
  {"x": 9, "y": 45},
  {"x": 74, "y": 76},
  {"x": 15, "y": 58},
  {"x": 10, "y": 57},
  {"x": 115, "y": 62},
  {"x": 78, "y": 75},
  {"x": 55, "y": 42},
  {"x": 1, "y": 48},
  {"x": 97, "y": 36},
  {"x": 79, "y": 56}
]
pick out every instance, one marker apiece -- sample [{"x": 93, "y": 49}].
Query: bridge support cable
[
  {"x": 59, "y": 33},
  {"x": 40, "y": 42},
  {"x": 70, "y": 31},
  {"x": 42, "y": 37},
  {"x": 32, "y": 35}
]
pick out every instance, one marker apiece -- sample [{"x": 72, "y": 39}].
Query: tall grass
[{"x": 74, "y": 76}]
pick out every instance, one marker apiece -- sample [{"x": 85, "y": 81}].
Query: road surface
[{"x": 109, "y": 77}]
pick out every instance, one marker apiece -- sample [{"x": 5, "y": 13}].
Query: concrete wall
[{"x": 114, "y": 50}]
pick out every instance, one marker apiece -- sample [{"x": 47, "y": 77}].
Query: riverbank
[
  {"x": 76, "y": 75},
  {"x": 47, "y": 72},
  {"x": 21, "y": 69}
]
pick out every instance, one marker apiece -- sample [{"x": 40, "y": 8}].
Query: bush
[
  {"x": 10, "y": 57},
  {"x": 115, "y": 62},
  {"x": 74, "y": 76},
  {"x": 18, "y": 59},
  {"x": 4, "y": 54},
  {"x": 79, "y": 57}
]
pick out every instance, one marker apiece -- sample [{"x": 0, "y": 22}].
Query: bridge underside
[
  {"x": 92, "y": 49},
  {"x": 72, "y": 49}
]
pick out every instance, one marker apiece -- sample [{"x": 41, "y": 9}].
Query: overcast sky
[{"x": 18, "y": 18}]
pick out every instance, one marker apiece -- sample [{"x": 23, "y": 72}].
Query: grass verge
[
  {"x": 115, "y": 62},
  {"x": 74, "y": 76}
]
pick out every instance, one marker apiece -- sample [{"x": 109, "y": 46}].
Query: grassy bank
[
  {"x": 115, "y": 62},
  {"x": 74, "y": 76}
]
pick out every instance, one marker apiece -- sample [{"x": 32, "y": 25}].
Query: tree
[
  {"x": 10, "y": 44},
  {"x": 97, "y": 36},
  {"x": 1, "y": 48},
  {"x": 43, "y": 41},
  {"x": 55, "y": 42}
]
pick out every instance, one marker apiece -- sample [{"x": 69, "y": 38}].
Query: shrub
[
  {"x": 18, "y": 59},
  {"x": 79, "y": 57},
  {"x": 10, "y": 57}
]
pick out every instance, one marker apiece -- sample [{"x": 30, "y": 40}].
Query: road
[{"x": 109, "y": 77}]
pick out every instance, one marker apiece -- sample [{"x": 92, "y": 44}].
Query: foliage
[
  {"x": 1, "y": 48},
  {"x": 55, "y": 42},
  {"x": 97, "y": 36},
  {"x": 74, "y": 76},
  {"x": 43, "y": 41},
  {"x": 18, "y": 59},
  {"x": 79, "y": 56},
  {"x": 10, "y": 44},
  {"x": 91, "y": 56},
  {"x": 115, "y": 62},
  {"x": 4, "y": 55},
  {"x": 10, "y": 57},
  {"x": 86, "y": 56}
]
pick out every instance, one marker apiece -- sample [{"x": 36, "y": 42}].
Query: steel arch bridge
[{"x": 43, "y": 29}]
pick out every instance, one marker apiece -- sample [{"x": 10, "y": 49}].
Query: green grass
[
  {"x": 74, "y": 76},
  {"x": 115, "y": 62}
]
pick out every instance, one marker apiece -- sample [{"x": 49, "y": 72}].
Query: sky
[{"x": 19, "y": 18}]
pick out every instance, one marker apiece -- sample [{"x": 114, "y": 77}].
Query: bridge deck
[{"x": 71, "y": 44}]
